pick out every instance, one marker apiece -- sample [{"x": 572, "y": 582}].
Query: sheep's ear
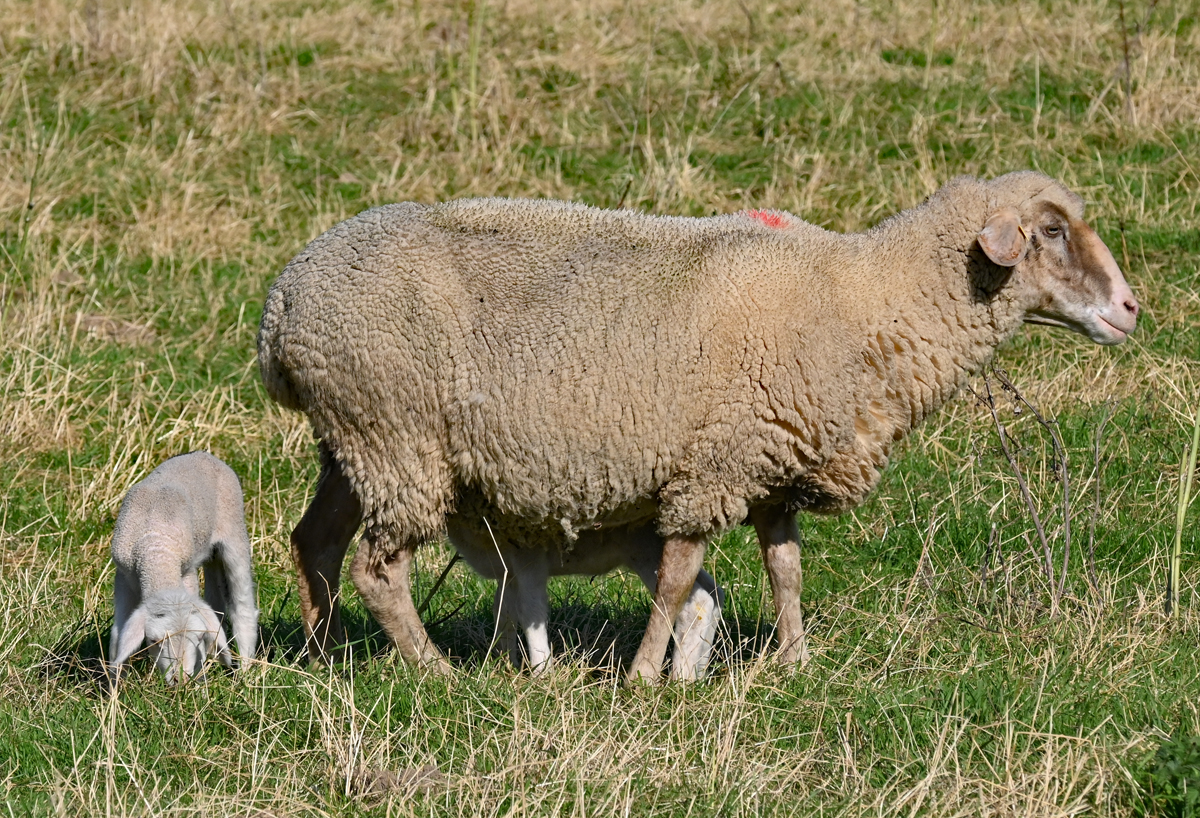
[
  {"x": 1003, "y": 238},
  {"x": 132, "y": 636}
]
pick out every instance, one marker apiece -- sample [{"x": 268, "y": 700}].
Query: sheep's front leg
[
  {"x": 682, "y": 558},
  {"x": 319, "y": 545},
  {"x": 382, "y": 575},
  {"x": 696, "y": 625},
  {"x": 779, "y": 539}
]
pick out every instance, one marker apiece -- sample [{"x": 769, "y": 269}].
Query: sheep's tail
[{"x": 275, "y": 374}]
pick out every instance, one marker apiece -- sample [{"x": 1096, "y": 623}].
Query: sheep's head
[
  {"x": 181, "y": 630},
  {"x": 1066, "y": 275}
]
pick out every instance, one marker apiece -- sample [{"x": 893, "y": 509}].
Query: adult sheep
[{"x": 576, "y": 368}]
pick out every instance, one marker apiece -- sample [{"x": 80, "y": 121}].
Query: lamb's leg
[
  {"x": 696, "y": 629},
  {"x": 381, "y": 571},
  {"x": 779, "y": 538},
  {"x": 696, "y": 625},
  {"x": 319, "y": 545},
  {"x": 237, "y": 575},
  {"x": 191, "y": 581},
  {"x": 216, "y": 594},
  {"x": 682, "y": 559},
  {"x": 126, "y": 597}
]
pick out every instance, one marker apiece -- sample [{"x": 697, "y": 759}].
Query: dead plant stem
[{"x": 990, "y": 400}]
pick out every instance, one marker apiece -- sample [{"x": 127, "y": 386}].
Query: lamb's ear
[
  {"x": 223, "y": 649},
  {"x": 1003, "y": 238},
  {"x": 132, "y": 636},
  {"x": 215, "y": 635}
]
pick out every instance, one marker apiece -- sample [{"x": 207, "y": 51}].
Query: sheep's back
[{"x": 555, "y": 358}]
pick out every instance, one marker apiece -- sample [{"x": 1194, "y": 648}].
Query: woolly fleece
[{"x": 558, "y": 366}]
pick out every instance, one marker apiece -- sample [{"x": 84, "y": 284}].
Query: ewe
[
  {"x": 186, "y": 513},
  {"x": 579, "y": 369}
]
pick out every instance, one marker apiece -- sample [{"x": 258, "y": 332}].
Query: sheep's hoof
[
  {"x": 795, "y": 655},
  {"x": 437, "y": 664},
  {"x": 643, "y": 674}
]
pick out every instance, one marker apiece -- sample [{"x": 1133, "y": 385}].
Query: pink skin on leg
[
  {"x": 682, "y": 559},
  {"x": 779, "y": 539}
]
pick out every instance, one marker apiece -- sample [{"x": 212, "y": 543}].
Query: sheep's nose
[{"x": 1131, "y": 306}]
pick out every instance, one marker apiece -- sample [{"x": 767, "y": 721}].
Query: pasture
[{"x": 161, "y": 162}]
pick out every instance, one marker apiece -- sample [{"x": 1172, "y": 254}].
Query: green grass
[{"x": 160, "y": 163}]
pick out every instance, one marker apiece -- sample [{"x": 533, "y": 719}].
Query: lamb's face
[
  {"x": 180, "y": 640},
  {"x": 1068, "y": 275}
]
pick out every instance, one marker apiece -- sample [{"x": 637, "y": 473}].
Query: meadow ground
[{"x": 160, "y": 162}]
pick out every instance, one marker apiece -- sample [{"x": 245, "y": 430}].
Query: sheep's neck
[{"x": 931, "y": 325}]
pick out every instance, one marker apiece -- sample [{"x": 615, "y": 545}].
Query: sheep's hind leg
[
  {"x": 319, "y": 544},
  {"x": 779, "y": 539},
  {"x": 382, "y": 574},
  {"x": 682, "y": 558}
]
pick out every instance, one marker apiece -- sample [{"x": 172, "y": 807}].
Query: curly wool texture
[{"x": 558, "y": 366}]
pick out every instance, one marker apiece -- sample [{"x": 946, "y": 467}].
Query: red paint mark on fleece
[{"x": 768, "y": 217}]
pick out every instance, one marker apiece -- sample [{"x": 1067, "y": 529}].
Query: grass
[{"x": 160, "y": 162}]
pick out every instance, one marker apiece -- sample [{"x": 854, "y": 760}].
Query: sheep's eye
[{"x": 1052, "y": 231}]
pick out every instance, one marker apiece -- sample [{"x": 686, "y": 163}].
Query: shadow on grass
[{"x": 599, "y": 635}]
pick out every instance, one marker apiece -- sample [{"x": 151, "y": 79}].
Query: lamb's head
[
  {"x": 1063, "y": 273},
  {"x": 181, "y": 630}
]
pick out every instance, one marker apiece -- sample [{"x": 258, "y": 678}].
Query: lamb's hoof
[{"x": 689, "y": 674}]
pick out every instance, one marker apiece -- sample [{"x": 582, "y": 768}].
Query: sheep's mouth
[
  {"x": 1098, "y": 330},
  {"x": 1052, "y": 321},
  {"x": 1114, "y": 331}
]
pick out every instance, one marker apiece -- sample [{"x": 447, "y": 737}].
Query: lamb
[
  {"x": 579, "y": 368},
  {"x": 188, "y": 512}
]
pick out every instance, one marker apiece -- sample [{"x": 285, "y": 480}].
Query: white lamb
[{"x": 188, "y": 512}]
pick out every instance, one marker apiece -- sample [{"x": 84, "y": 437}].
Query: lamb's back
[{"x": 175, "y": 514}]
